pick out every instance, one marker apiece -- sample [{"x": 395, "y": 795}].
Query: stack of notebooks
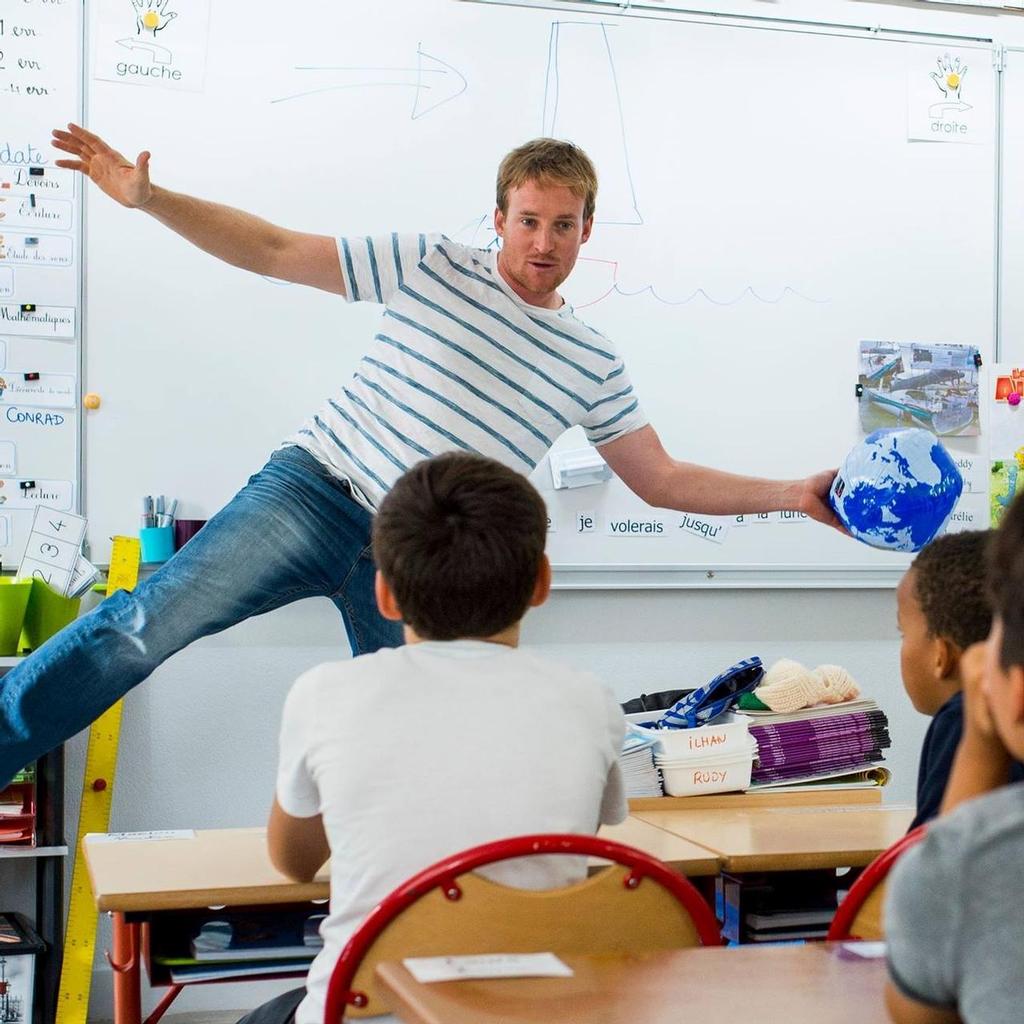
[
  {"x": 247, "y": 945},
  {"x": 639, "y": 771},
  {"x": 830, "y": 744},
  {"x": 18, "y": 810}
]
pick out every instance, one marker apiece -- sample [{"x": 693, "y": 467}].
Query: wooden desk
[
  {"x": 787, "y": 838},
  {"x": 229, "y": 866},
  {"x": 138, "y": 880},
  {"x": 813, "y": 984},
  {"x": 684, "y": 856}
]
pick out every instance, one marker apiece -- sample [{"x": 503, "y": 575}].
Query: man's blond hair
[{"x": 549, "y": 162}]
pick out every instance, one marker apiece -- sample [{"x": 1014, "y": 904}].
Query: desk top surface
[
  {"x": 685, "y": 856},
  {"x": 812, "y": 984},
  {"x": 232, "y": 867},
  {"x": 788, "y": 838},
  {"x": 211, "y": 867}
]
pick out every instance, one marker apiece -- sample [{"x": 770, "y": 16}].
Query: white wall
[{"x": 198, "y": 741}]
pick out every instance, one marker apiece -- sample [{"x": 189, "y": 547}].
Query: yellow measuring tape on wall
[{"x": 97, "y": 792}]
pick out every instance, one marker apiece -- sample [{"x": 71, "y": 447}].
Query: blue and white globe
[{"x": 896, "y": 489}]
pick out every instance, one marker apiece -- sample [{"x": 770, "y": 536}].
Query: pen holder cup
[
  {"x": 157, "y": 543},
  {"x": 47, "y": 613},
  {"x": 14, "y": 596},
  {"x": 185, "y": 530}
]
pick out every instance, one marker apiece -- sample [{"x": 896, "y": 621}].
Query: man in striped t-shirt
[{"x": 476, "y": 351}]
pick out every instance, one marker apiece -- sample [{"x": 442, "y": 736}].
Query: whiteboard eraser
[{"x": 578, "y": 467}]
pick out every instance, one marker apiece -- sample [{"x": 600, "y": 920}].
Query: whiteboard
[
  {"x": 40, "y": 269},
  {"x": 761, "y": 211},
  {"x": 1012, "y": 236}
]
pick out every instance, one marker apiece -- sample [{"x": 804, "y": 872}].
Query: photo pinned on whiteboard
[{"x": 918, "y": 384}]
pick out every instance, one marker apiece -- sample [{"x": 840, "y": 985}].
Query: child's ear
[
  {"x": 947, "y": 657},
  {"x": 542, "y": 588},
  {"x": 1015, "y": 681},
  {"x": 386, "y": 603}
]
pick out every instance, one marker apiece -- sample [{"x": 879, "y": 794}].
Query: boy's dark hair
[
  {"x": 1006, "y": 582},
  {"x": 460, "y": 541},
  {"x": 949, "y": 581}
]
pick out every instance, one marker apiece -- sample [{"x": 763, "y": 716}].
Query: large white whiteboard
[
  {"x": 40, "y": 269},
  {"x": 761, "y": 211}
]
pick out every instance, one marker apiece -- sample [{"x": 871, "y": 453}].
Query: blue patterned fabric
[{"x": 706, "y": 703}]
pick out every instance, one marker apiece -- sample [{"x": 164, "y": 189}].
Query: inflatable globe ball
[{"x": 896, "y": 489}]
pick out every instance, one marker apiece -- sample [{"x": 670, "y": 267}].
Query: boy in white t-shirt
[{"x": 393, "y": 760}]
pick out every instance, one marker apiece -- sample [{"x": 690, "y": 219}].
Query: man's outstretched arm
[
  {"x": 238, "y": 238},
  {"x": 641, "y": 462}
]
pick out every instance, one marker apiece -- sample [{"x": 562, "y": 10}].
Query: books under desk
[{"x": 243, "y": 942}]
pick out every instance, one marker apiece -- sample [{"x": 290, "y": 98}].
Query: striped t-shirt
[{"x": 460, "y": 362}]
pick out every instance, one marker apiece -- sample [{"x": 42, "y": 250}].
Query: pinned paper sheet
[
  {"x": 40, "y": 321},
  {"x": 31, "y": 212},
  {"x": 486, "y": 965},
  {"x": 6, "y": 282},
  {"x": 52, "y": 551},
  {"x": 44, "y": 391},
  {"x": 19, "y": 492},
  {"x": 36, "y": 250},
  {"x": 20, "y": 181},
  {"x": 8, "y": 458}
]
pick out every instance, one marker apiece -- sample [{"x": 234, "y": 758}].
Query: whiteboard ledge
[{"x": 733, "y": 577}]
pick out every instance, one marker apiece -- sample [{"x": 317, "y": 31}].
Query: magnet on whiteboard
[
  {"x": 579, "y": 467},
  {"x": 91, "y": 400},
  {"x": 1013, "y": 398}
]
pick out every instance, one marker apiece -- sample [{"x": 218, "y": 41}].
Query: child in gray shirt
[{"x": 954, "y": 920}]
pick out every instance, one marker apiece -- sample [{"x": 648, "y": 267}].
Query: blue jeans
[{"x": 293, "y": 531}]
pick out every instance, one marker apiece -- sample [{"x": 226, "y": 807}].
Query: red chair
[
  {"x": 636, "y": 904},
  {"x": 859, "y": 916}
]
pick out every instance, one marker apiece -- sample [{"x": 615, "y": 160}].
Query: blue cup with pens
[{"x": 156, "y": 530}]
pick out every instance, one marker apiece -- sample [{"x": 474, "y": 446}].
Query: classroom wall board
[
  {"x": 1012, "y": 236},
  {"x": 40, "y": 268},
  {"x": 769, "y": 200}
]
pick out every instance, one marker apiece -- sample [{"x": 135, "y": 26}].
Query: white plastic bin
[
  {"x": 717, "y": 773},
  {"x": 727, "y": 734}
]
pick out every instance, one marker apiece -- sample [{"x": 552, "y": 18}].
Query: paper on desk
[
  {"x": 489, "y": 965},
  {"x": 138, "y": 837},
  {"x": 865, "y": 950}
]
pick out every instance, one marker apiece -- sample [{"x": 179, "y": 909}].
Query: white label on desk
[
  {"x": 489, "y": 965},
  {"x": 140, "y": 837},
  {"x": 865, "y": 950}
]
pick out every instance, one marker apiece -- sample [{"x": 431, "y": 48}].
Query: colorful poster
[{"x": 1006, "y": 444}]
